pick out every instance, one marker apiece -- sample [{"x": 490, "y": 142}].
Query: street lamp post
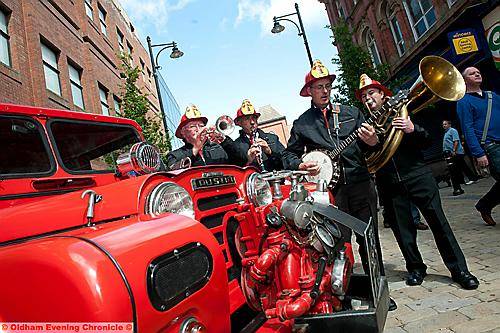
[
  {"x": 176, "y": 53},
  {"x": 277, "y": 28}
]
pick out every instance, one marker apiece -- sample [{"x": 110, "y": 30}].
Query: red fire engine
[{"x": 92, "y": 230}]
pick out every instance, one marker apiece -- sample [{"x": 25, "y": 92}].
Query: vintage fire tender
[{"x": 93, "y": 230}]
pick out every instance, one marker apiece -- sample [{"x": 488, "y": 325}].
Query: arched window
[
  {"x": 421, "y": 14},
  {"x": 372, "y": 47},
  {"x": 396, "y": 30}
]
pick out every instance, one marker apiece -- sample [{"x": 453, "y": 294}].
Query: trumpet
[{"x": 224, "y": 125}]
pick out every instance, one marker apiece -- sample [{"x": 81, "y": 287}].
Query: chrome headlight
[
  {"x": 169, "y": 197},
  {"x": 258, "y": 190}
]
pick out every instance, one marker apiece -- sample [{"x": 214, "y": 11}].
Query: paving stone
[
  {"x": 497, "y": 330},
  {"x": 490, "y": 295},
  {"x": 395, "y": 330},
  {"x": 436, "y": 322},
  {"x": 462, "y": 293},
  {"x": 393, "y": 286},
  {"x": 419, "y": 315},
  {"x": 482, "y": 309},
  {"x": 415, "y": 292},
  {"x": 435, "y": 300},
  {"x": 455, "y": 305},
  {"x": 491, "y": 277},
  {"x": 482, "y": 324},
  {"x": 402, "y": 300},
  {"x": 392, "y": 322}
]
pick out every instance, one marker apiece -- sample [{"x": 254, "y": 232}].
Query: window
[
  {"x": 89, "y": 10},
  {"x": 149, "y": 78},
  {"x": 102, "y": 20},
  {"x": 103, "y": 97},
  {"x": 130, "y": 50},
  {"x": 421, "y": 15},
  {"x": 372, "y": 48},
  {"x": 340, "y": 10},
  {"x": 4, "y": 39},
  {"x": 116, "y": 105},
  {"x": 143, "y": 70},
  {"x": 396, "y": 31},
  {"x": 121, "y": 40},
  {"x": 51, "y": 70},
  {"x": 75, "y": 76},
  {"x": 25, "y": 135}
]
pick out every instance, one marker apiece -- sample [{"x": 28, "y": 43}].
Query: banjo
[{"x": 329, "y": 160}]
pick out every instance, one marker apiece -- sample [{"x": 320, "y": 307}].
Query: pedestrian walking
[{"x": 479, "y": 115}]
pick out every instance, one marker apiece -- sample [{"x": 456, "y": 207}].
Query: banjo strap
[{"x": 335, "y": 108}]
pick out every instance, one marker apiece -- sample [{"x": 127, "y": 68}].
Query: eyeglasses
[{"x": 322, "y": 87}]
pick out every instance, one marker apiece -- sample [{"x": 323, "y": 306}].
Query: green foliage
[
  {"x": 135, "y": 105},
  {"x": 352, "y": 61}
]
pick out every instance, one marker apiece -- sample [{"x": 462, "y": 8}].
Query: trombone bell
[{"x": 438, "y": 79}]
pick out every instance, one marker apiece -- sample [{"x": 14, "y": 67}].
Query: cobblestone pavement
[{"x": 439, "y": 305}]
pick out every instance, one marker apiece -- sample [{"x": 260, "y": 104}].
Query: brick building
[
  {"x": 272, "y": 121},
  {"x": 401, "y": 32},
  {"x": 64, "y": 54}
]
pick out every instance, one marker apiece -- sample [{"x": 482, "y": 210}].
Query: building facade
[
  {"x": 65, "y": 54},
  {"x": 401, "y": 32}
]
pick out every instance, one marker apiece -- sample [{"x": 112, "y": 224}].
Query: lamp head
[
  {"x": 176, "y": 53},
  {"x": 277, "y": 28}
]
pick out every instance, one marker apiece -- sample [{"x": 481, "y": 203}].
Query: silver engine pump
[{"x": 308, "y": 228}]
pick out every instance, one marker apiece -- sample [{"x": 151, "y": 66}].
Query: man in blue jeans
[{"x": 479, "y": 114}]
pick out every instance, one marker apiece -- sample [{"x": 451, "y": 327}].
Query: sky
[{"x": 230, "y": 53}]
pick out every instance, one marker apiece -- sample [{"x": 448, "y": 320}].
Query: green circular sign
[{"x": 494, "y": 38}]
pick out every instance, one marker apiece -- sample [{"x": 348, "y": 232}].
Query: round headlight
[
  {"x": 169, "y": 198},
  {"x": 258, "y": 190}
]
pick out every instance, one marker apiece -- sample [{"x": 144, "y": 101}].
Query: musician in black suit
[
  {"x": 253, "y": 145},
  {"x": 324, "y": 126},
  {"x": 407, "y": 179}
]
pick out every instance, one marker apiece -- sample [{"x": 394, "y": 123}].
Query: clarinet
[{"x": 255, "y": 137}]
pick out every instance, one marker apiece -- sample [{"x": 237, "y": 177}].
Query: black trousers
[
  {"x": 457, "y": 170},
  {"x": 492, "y": 198},
  {"x": 423, "y": 192},
  {"x": 360, "y": 201}
]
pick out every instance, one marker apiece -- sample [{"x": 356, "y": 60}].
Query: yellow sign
[{"x": 464, "y": 43}]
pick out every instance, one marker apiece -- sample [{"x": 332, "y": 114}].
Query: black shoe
[
  {"x": 486, "y": 215},
  {"x": 458, "y": 192},
  {"x": 466, "y": 280},
  {"x": 415, "y": 278},
  {"x": 392, "y": 304}
]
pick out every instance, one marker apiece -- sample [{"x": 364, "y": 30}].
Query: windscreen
[{"x": 88, "y": 146}]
